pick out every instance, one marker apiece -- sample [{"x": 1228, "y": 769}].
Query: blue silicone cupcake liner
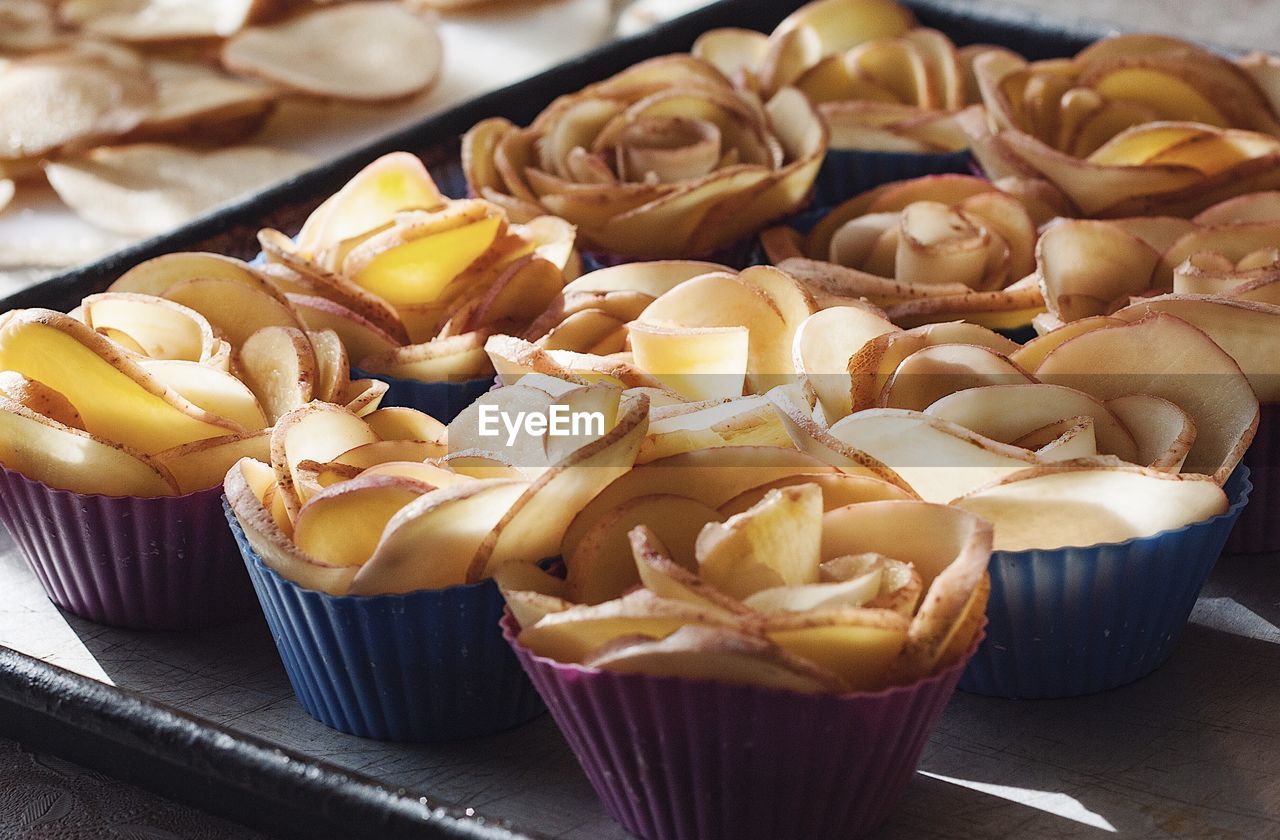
[
  {"x": 424, "y": 666},
  {"x": 164, "y": 563},
  {"x": 846, "y": 173},
  {"x": 442, "y": 400},
  {"x": 1258, "y": 531},
  {"x": 1073, "y": 621}
]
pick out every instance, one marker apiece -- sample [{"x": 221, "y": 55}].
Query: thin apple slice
[
  {"x": 317, "y": 432},
  {"x": 716, "y": 653},
  {"x": 1163, "y": 433},
  {"x": 1195, "y": 374},
  {"x": 774, "y": 543},
  {"x": 1008, "y": 413},
  {"x": 342, "y": 525},
  {"x": 67, "y": 458},
  {"x": 247, "y": 485},
  {"x": 602, "y": 566},
  {"x": 1053, "y": 507},
  {"x": 280, "y": 367},
  {"x": 115, "y": 397}
]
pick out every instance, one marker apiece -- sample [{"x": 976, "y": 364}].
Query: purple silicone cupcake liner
[
  {"x": 442, "y": 400},
  {"x": 1258, "y": 531},
  {"x": 677, "y": 759},
  {"x": 424, "y": 666},
  {"x": 1073, "y": 621},
  {"x": 846, "y": 173},
  {"x": 165, "y": 563}
]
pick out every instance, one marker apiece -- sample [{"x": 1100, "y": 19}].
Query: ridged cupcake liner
[
  {"x": 442, "y": 400},
  {"x": 737, "y": 256},
  {"x": 165, "y": 563},
  {"x": 1073, "y": 621},
  {"x": 679, "y": 759},
  {"x": 1258, "y": 531},
  {"x": 847, "y": 172},
  {"x": 424, "y": 666}
]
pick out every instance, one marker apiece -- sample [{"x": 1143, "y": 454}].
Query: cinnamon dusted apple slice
[
  {"x": 1064, "y": 505},
  {"x": 1198, "y": 376}
]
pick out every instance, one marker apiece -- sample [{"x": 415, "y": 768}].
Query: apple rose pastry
[
  {"x": 372, "y": 541},
  {"x": 1133, "y": 125},
  {"x": 727, "y": 589},
  {"x": 930, "y": 249},
  {"x": 120, "y": 419},
  {"x": 666, "y": 159}
]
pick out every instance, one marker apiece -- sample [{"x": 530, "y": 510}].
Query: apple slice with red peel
[{"x": 1195, "y": 374}]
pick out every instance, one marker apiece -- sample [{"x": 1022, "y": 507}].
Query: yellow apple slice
[
  {"x": 1052, "y": 507},
  {"x": 235, "y": 308},
  {"x": 162, "y": 328},
  {"x": 247, "y": 485},
  {"x": 115, "y": 397},
  {"x": 574, "y": 634},
  {"x": 40, "y": 398},
  {"x": 718, "y": 654},
  {"x": 1163, "y": 433},
  {"x": 931, "y": 373},
  {"x": 665, "y": 577},
  {"x": 1198, "y": 376},
  {"x": 825, "y": 343},
  {"x": 204, "y": 463},
  {"x": 938, "y": 459},
  {"x": 860, "y": 646},
  {"x": 342, "y": 525},
  {"x": 1008, "y": 413},
  {"x": 534, "y": 527},
  {"x": 701, "y": 363},
  {"x": 280, "y": 367},
  {"x": 774, "y": 543},
  {"x": 67, "y": 458},
  {"x": 602, "y": 566},
  {"x": 316, "y": 432},
  {"x": 430, "y": 543}
]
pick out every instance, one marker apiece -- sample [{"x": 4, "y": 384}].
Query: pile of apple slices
[
  {"x": 411, "y": 282},
  {"x": 137, "y": 395},
  {"x": 394, "y": 502},
  {"x": 788, "y": 593}
]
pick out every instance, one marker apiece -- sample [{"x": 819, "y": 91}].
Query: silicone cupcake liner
[
  {"x": 166, "y": 563},
  {"x": 846, "y": 173},
  {"x": 442, "y": 400},
  {"x": 1074, "y": 621},
  {"x": 738, "y": 256},
  {"x": 677, "y": 759},
  {"x": 1258, "y": 531},
  {"x": 424, "y": 666}
]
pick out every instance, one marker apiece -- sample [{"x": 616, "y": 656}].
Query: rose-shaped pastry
[
  {"x": 1132, "y": 125},
  {"x": 665, "y": 159},
  {"x": 929, "y": 249}
]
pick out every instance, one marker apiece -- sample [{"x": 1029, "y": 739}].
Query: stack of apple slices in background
[
  {"x": 137, "y": 395},
  {"x": 782, "y": 594},
  {"x": 395, "y": 502}
]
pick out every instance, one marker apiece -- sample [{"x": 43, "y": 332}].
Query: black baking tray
[{"x": 238, "y": 774}]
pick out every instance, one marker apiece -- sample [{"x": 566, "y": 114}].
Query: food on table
[{"x": 665, "y": 159}]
